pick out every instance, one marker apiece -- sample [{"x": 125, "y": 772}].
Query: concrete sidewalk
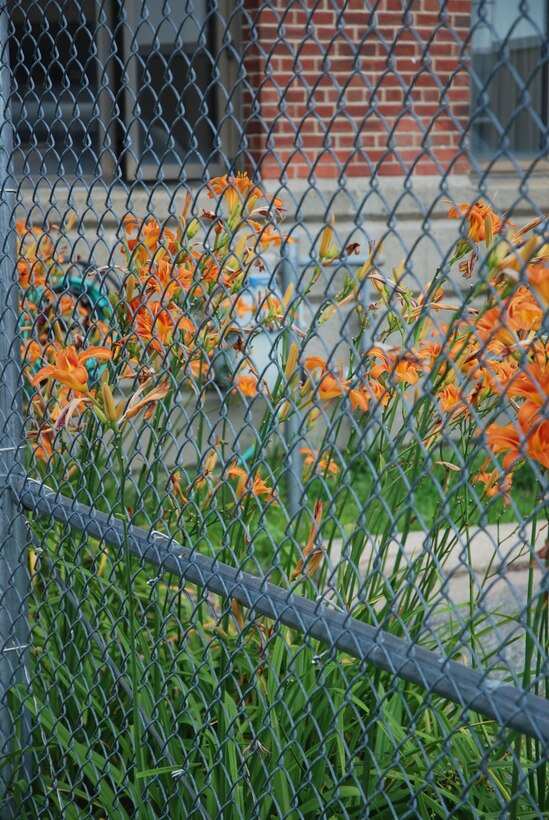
[
  {"x": 501, "y": 556},
  {"x": 494, "y": 548}
]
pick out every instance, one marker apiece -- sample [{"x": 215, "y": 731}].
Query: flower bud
[
  {"x": 326, "y": 242},
  {"x": 108, "y": 403},
  {"x": 291, "y": 362},
  {"x": 192, "y": 229}
]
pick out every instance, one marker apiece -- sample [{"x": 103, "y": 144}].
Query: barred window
[
  {"x": 509, "y": 78},
  {"x": 125, "y": 87}
]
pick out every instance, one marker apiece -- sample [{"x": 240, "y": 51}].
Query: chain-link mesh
[{"x": 273, "y": 401}]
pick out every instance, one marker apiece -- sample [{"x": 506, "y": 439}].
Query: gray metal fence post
[{"x": 14, "y": 574}]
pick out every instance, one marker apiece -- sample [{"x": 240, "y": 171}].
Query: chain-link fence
[{"x": 273, "y": 402}]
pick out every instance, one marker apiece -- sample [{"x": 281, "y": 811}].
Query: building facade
[{"x": 369, "y": 113}]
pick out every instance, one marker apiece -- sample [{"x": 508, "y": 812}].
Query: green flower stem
[{"x": 130, "y": 597}]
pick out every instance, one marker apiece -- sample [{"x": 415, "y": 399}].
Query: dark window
[{"x": 134, "y": 85}]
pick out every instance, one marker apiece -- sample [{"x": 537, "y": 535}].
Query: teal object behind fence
[{"x": 86, "y": 292}]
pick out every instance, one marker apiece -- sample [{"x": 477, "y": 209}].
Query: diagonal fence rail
[{"x": 472, "y": 690}]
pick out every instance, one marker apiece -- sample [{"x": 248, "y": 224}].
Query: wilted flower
[{"x": 313, "y": 553}]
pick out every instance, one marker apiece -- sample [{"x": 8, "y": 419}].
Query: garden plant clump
[{"x": 152, "y": 696}]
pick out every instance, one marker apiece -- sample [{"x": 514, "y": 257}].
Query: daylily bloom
[
  {"x": 256, "y": 486},
  {"x": 494, "y": 484},
  {"x": 166, "y": 278},
  {"x": 152, "y": 242},
  {"x": 265, "y": 235},
  {"x": 31, "y": 273},
  {"x": 157, "y": 324},
  {"x": 497, "y": 374},
  {"x": 450, "y": 401},
  {"x": 523, "y": 312},
  {"x": 247, "y": 385},
  {"x": 531, "y": 383},
  {"x": 330, "y": 386},
  {"x": 427, "y": 353},
  {"x": 520, "y": 316},
  {"x": 538, "y": 279},
  {"x": 379, "y": 392},
  {"x": 404, "y": 366},
  {"x": 43, "y": 448},
  {"x": 32, "y": 352},
  {"x": 527, "y": 438},
  {"x": 476, "y": 215},
  {"x": 320, "y": 465},
  {"x": 69, "y": 367},
  {"x": 238, "y": 190}
]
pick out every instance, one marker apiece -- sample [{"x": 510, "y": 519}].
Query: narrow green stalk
[{"x": 130, "y": 597}]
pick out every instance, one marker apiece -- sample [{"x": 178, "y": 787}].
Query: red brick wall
[{"x": 337, "y": 89}]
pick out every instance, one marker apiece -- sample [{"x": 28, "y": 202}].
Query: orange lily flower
[
  {"x": 494, "y": 484},
  {"x": 476, "y": 215},
  {"x": 538, "y": 279},
  {"x": 380, "y": 393},
  {"x": 520, "y": 316},
  {"x": 538, "y": 443},
  {"x": 257, "y": 486},
  {"x": 450, "y": 401},
  {"x": 329, "y": 386},
  {"x": 31, "y": 273},
  {"x": 523, "y": 312},
  {"x": 69, "y": 367},
  {"x": 145, "y": 246},
  {"x": 497, "y": 375},
  {"x": 247, "y": 385},
  {"x": 157, "y": 325},
  {"x": 428, "y": 353},
  {"x": 32, "y": 352},
  {"x": 532, "y": 384},
  {"x": 265, "y": 235},
  {"x": 528, "y": 439},
  {"x": 166, "y": 278},
  {"x": 43, "y": 448},
  {"x": 237, "y": 190},
  {"x": 406, "y": 369},
  {"x": 504, "y": 439},
  {"x": 332, "y": 386},
  {"x": 320, "y": 465}
]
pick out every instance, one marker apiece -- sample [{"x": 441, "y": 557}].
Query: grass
[
  {"x": 231, "y": 716},
  {"x": 241, "y": 717}
]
